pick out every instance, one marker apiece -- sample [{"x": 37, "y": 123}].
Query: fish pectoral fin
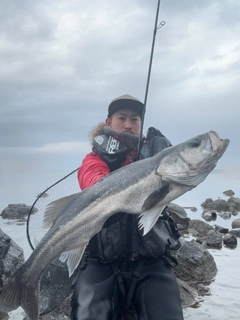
[
  {"x": 73, "y": 258},
  {"x": 149, "y": 218},
  {"x": 155, "y": 197},
  {"x": 54, "y": 209}
]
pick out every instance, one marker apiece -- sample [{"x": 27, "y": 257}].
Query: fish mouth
[
  {"x": 214, "y": 148},
  {"x": 216, "y": 143},
  {"x": 215, "y": 140}
]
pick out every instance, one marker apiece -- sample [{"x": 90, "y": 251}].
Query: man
[{"x": 123, "y": 265}]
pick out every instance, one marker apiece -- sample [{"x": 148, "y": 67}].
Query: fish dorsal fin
[
  {"x": 54, "y": 209},
  {"x": 73, "y": 258},
  {"x": 156, "y": 197},
  {"x": 149, "y": 218}
]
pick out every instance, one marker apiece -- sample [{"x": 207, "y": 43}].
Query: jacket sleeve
[{"x": 92, "y": 169}]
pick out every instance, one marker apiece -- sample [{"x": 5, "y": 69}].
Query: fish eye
[{"x": 195, "y": 143}]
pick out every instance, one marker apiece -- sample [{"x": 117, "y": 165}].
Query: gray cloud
[{"x": 63, "y": 62}]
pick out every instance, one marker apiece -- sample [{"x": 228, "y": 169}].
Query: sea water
[{"x": 224, "y": 301}]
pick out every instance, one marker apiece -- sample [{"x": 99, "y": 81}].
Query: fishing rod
[
  {"x": 35, "y": 214},
  {"x": 156, "y": 27}
]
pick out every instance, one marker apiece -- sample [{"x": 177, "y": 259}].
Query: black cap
[{"x": 125, "y": 102}]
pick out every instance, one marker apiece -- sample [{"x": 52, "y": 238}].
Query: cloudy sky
[{"x": 62, "y": 62}]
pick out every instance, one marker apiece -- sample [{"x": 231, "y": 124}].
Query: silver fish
[{"x": 144, "y": 187}]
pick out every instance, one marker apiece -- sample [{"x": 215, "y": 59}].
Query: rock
[
  {"x": 193, "y": 209},
  {"x": 193, "y": 232},
  {"x": 4, "y": 316},
  {"x": 202, "y": 289},
  {"x": 207, "y": 202},
  {"x": 221, "y": 229},
  {"x": 228, "y": 193},
  {"x": 218, "y": 205},
  {"x": 230, "y": 240},
  {"x": 225, "y": 215},
  {"x": 195, "y": 263},
  {"x": 200, "y": 226},
  {"x": 178, "y": 214},
  {"x": 188, "y": 295},
  {"x": 234, "y": 204},
  {"x": 214, "y": 239},
  {"x": 236, "y": 223},
  {"x": 11, "y": 258},
  {"x": 236, "y": 232},
  {"x": 16, "y": 211},
  {"x": 209, "y": 215}
]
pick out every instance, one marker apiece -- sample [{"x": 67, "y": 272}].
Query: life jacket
[{"x": 120, "y": 237}]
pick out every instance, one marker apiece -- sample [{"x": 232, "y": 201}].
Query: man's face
[{"x": 126, "y": 121}]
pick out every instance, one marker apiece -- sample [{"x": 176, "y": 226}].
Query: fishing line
[
  {"x": 198, "y": 69},
  {"x": 194, "y": 60}
]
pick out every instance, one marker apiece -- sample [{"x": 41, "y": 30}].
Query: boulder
[
  {"x": 225, "y": 215},
  {"x": 178, "y": 214},
  {"x": 230, "y": 240},
  {"x": 221, "y": 229},
  {"x": 193, "y": 209},
  {"x": 188, "y": 294},
  {"x": 207, "y": 203},
  {"x": 218, "y": 205},
  {"x": 16, "y": 211},
  {"x": 11, "y": 258},
  {"x": 234, "y": 204},
  {"x": 203, "y": 290},
  {"x": 209, "y": 215},
  {"x": 236, "y": 232},
  {"x": 4, "y": 316},
  {"x": 236, "y": 223},
  {"x": 214, "y": 239},
  {"x": 195, "y": 263},
  {"x": 228, "y": 193},
  {"x": 201, "y": 227}
]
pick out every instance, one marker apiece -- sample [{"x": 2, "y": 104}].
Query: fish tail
[{"x": 17, "y": 294}]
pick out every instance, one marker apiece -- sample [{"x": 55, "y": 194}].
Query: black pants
[{"x": 97, "y": 295}]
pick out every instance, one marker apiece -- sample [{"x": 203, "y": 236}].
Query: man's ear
[{"x": 108, "y": 122}]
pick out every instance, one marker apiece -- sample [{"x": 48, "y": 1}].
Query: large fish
[{"x": 143, "y": 188}]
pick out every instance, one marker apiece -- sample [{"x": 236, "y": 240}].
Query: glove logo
[{"x": 99, "y": 140}]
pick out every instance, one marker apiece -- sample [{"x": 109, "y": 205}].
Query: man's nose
[{"x": 128, "y": 123}]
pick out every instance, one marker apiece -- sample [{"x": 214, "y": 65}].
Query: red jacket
[{"x": 94, "y": 168}]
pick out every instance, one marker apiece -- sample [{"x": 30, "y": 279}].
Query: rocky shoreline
[{"x": 196, "y": 267}]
